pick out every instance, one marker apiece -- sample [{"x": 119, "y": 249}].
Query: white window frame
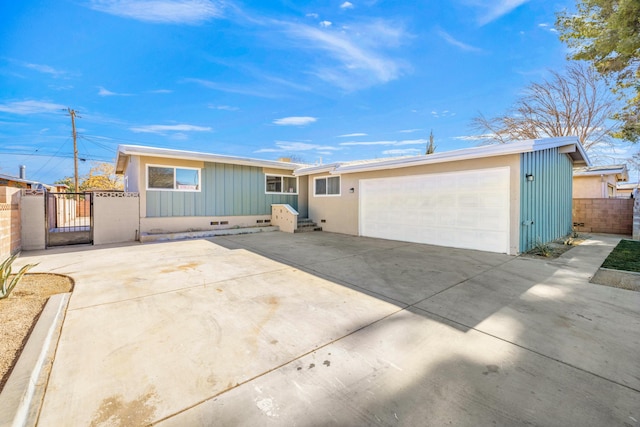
[
  {"x": 326, "y": 177},
  {"x": 281, "y": 184},
  {"x": 183, "y": 190}
]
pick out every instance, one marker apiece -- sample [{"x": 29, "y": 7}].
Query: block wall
[
  {"x": 9, "y": 229},
  {"x": 614, "y": 216}
]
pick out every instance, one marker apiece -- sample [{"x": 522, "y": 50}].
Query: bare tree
[{"x": 576, "y": 103}]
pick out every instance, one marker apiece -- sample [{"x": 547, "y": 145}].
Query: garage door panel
[{"x": 468, "y": 209}]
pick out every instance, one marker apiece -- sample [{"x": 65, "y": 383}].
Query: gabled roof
[
  {"x": 567, "y": 145},
  {"x": 138, "y": 150},
  {"x": 620, "y": 171}
]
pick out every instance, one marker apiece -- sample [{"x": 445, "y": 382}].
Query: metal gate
[{"x": 69, "y": 218}]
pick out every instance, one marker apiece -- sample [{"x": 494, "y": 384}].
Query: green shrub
[
  {"x": 542, "y": 249},
  {"x": 5, "y": 274}
]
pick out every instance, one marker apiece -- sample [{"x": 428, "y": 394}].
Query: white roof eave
[
  {"x": 579, "y": 155},
  {"x": 137, "y": 150}
]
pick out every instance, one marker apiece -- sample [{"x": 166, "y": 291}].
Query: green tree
[
  {"x": 607, "y": 34},
  {"x": 431, "y": 147}
]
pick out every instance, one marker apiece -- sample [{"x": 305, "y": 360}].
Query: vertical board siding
[
  {"x": 227, "y": 190},
  {"x": 545, "y": 203}
]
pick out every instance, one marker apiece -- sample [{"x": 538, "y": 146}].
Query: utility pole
[{"x": 72, "y": 113}]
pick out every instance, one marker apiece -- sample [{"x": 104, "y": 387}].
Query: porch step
[{"x": 305, "y": 225}]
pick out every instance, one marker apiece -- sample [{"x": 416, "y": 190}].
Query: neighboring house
[
  {"x": 10, "y": 185},
  {"x": 598, "y": 182},
  {"x": 500, "y": 198},
  {"x": 189, "y": 191},
  {"x": 625, "y": 191}
]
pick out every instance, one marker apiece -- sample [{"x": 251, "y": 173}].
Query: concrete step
[
  {"x": 307, "y": 229},
  {"x": 306, "y": 224},
  {"x": 145, "y": 237}
]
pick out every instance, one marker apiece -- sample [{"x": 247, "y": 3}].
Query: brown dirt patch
[
  {"x": 556, "y": 248},
  {"x": 20, "y": 311}
]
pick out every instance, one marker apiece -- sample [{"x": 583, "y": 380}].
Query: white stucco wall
[
  {"x": 32, "y": 222},
  {"x": 116, "y": 217}
]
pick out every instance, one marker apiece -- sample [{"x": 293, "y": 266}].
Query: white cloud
[
  {"x": 346, "y": 5},
  {"x": 104, "y": 92},
  {"x": 402, "y": 152},
  {"x": 325, "y": 24},
  {"x": 161, "y": 91},
  {"x": 161, "y": 11},
  {"x": 547, "y": 27},
  {"x": 31, "y": 107},
  {"x": 496, "y": 9},
  {"x": 351, "y": 135},
  {"x": 357, "y": 52},
  {"x": 160, "y": 129},
  {"x": 410, "y": 130},
  {"x": 45, "y": 69},
  {"x": 444, "y": 113},
  {"x": 312, "y": 15},
  {"x": 483, "y": 137},
  {"x": 223, "y": 107},
  {"x": 261, "y": 92},
  {"x": 387, "y": 143},
  {"x": 295, "y": 121},
  {"x": 452, "y": 41},
  {"x": 290, "y": 146}
]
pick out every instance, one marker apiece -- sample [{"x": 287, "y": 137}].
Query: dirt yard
[{"x": 21, "y": 310}]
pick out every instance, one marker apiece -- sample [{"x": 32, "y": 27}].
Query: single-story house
[
  {"x": 500, "y": 198},
  {"x": 626, "y": 190},
  {"x": 11, "y": 185},
  {"x": 189, "y": 191},
  {"x": 598, "y": 182}
]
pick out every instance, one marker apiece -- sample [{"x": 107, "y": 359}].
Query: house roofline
[
  {"x": 140, "y": 150},
  {"x": 621, "y": 172},
  {"x": 568, "y": 145}
]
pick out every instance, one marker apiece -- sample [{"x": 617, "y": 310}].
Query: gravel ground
[{"x": 19, "y": 312}]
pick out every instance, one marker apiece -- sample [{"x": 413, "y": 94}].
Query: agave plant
[{"x": 5, "y": 273}]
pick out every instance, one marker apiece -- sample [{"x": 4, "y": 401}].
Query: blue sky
[{"x": 330, "y": 80}]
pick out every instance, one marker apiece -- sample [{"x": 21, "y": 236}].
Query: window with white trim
[
  {"x": 170, "y": 178},
  {"x": 326, "y": 186},
  {"x": 281, "y": 184}
]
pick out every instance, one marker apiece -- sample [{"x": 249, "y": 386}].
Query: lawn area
[{"x": 625, "y": 256}]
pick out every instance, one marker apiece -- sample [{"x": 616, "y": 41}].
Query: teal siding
[
  {"x": 545, "y": 203},
  {"x": 227, "y": 190}
]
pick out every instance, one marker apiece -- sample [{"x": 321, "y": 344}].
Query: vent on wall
[{"x": 224, "y": 222}]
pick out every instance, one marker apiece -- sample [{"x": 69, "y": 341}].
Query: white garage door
[{"x": 468, "y": 209}]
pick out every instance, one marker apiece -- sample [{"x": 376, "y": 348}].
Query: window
[
  {"x": 327, "y": 186},
  {"x": 172, "y": 178},
  {"x": 278, "y": 184}
]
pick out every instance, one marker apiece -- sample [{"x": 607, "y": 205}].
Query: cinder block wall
[
  {"x": 9, "y": 229},
  {"x": 613, "y": 216}
]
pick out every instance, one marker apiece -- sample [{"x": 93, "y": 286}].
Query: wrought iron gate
[{"x": 69, "y": 218}]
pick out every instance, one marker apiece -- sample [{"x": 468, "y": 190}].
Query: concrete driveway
[{"x": 326, "y": 329}]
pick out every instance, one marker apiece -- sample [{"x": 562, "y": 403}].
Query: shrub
[{"x": 5, "y": 273}]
